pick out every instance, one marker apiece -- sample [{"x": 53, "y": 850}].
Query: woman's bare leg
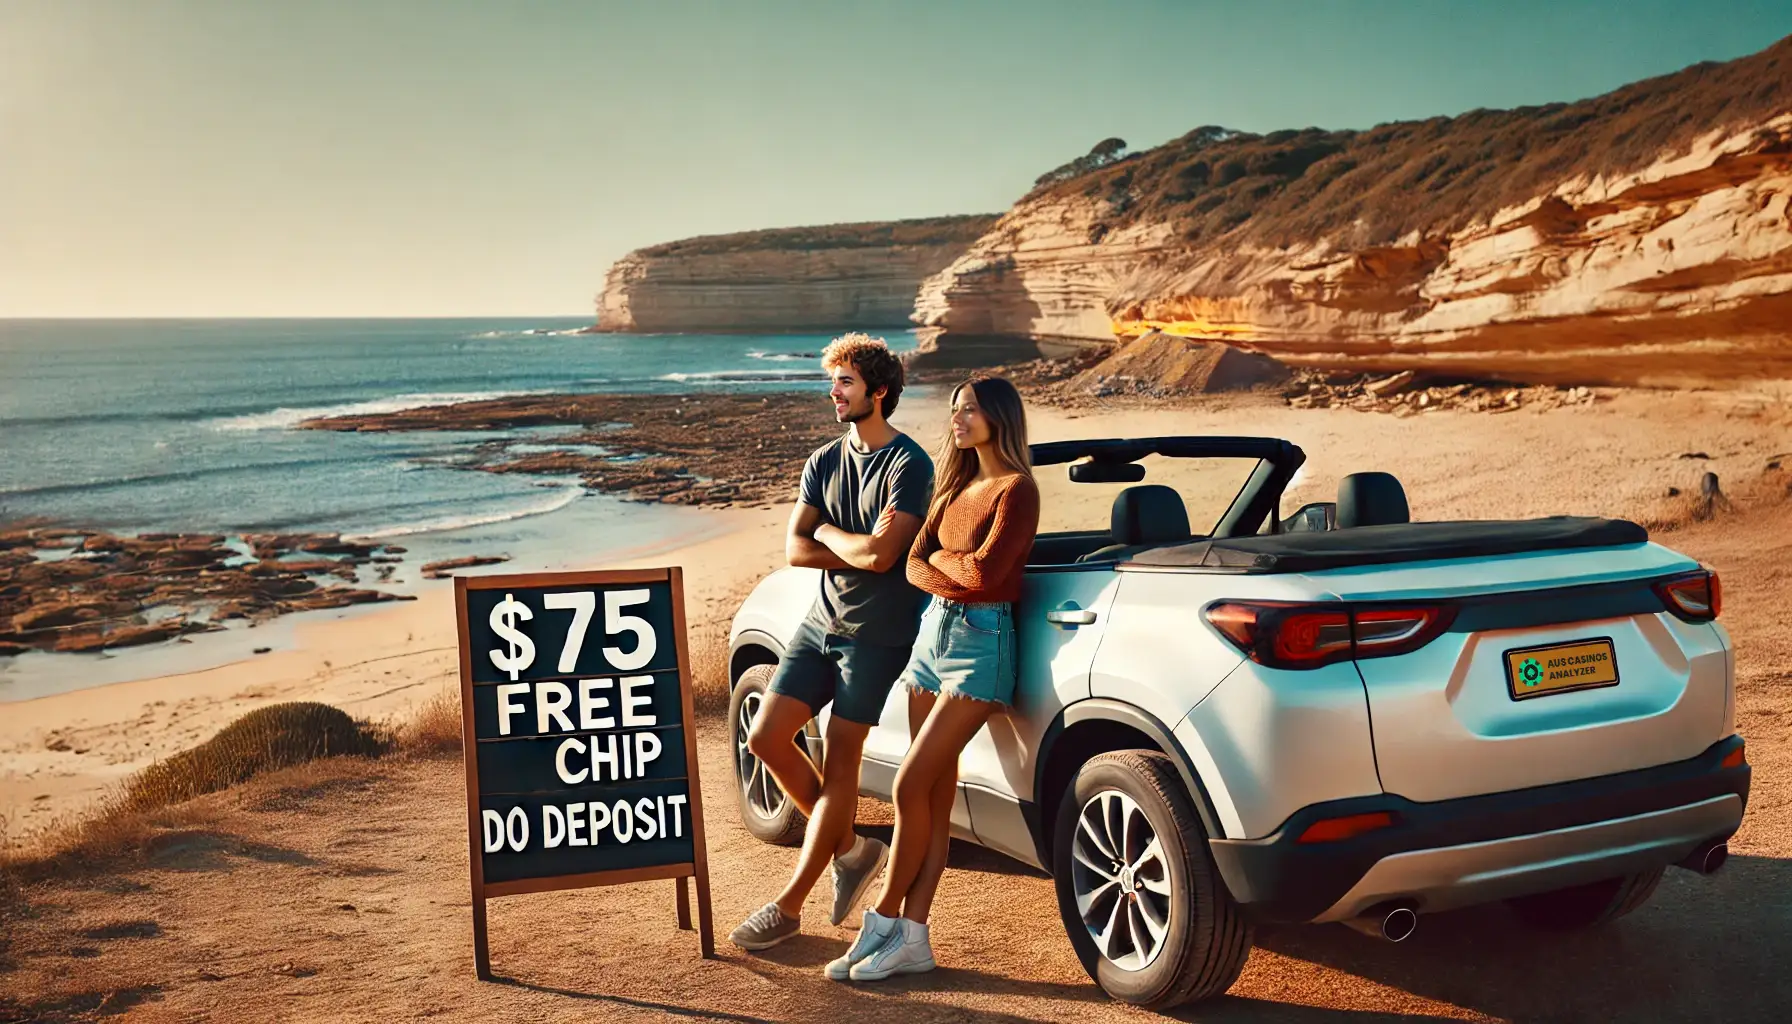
[
  {"x": 934, "y": 754},
  {"x": 920, "y": 705},
  {"x": 919, "y": 898}
]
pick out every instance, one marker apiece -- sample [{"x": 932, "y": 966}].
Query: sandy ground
[{"x": 343, "y": 896}]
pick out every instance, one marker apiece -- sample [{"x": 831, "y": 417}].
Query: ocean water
[{"x": 139, "y": 426}]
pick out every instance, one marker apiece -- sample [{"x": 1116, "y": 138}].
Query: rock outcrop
[
  {"x": 1159, "y": 365},
  {"x": 1641, "y": 237},
  {"x": 716, "y": 449},
  {"x": 78, "y": 590},
  {"x": 823, "y": 278}
]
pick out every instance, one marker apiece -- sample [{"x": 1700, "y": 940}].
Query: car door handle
[{"x": 1077, "y": 617}]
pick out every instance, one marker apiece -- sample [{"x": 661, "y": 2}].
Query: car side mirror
[
  {"x": 1097, "y": 472},
  {"x": 1316, "y": 517}
]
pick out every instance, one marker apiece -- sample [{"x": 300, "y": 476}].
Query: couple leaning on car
[{"x": 921, "y": 568}]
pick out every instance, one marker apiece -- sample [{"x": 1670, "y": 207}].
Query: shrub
[
  {"x": 261, "y": 741},
  {"x": 1103, "y": 154}
]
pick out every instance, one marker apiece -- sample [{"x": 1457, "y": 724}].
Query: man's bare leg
[
  {"x": 830, "y": 826},
  {"x": 773, "y": 742}
]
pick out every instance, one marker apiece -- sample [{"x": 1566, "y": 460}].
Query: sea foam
[
  {"x": 559, "y": 499},
  {"x": 286, "y": 418}
]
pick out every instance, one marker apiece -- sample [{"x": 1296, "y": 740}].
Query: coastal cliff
[
  {"x": 817, "y": 278},
  {"x": 1640, "y": 237}
]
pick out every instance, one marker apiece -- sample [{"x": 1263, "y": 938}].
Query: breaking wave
[
  {"x": 740, "y": 376},
  {"x": 559, "y": 499},
  {"x": 285, "y": 418}
]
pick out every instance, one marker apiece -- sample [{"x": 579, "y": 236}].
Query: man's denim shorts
[
  {"x": 965, "y": 650},
  {"x": 856, "y": 676}
]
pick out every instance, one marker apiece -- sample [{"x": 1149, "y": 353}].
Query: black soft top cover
[{"x": 1318, "y": 550}]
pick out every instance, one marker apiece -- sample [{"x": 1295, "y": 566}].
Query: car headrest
[
  {"x": 1149, "y": 514},
  {"x": 1371, "y": 499}
]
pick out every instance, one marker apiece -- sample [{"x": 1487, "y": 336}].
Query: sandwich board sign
[{"x": 580, "y": 746}]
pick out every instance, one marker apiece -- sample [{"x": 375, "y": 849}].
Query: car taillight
[
  {"x": 1289, "y": 635},
  {"x": 1694, "y": 596},
  {"x": 1395, "y": 630},
  {"x": 1735, "y": 758},
  {"x": 1331, "y": 830}
]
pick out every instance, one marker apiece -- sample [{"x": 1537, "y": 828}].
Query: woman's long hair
[{"x": 954, "y": 468}]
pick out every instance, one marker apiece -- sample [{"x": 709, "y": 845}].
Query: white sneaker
[
  {"x": 872, "y": 934},
  {"x": 904, "y": 951}
]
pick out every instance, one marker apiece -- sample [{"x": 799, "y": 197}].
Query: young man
[{"x": 860, "y": 505}]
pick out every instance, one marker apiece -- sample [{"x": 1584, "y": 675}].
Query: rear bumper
[{"x": 1454, "y": 853}]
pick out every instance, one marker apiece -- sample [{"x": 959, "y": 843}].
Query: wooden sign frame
[{"x": 697, "y": 868}]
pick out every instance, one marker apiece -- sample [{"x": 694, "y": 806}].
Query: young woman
[{"x": 969, "y": 555}]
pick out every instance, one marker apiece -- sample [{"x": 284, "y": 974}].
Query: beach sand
[{"x": 393, "y": 842}]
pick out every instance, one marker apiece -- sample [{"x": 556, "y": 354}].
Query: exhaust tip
[
  {"x": 1708, "y": 857},
  {"x": 1389, "y": 922},
  {"x": 1714, "y": 858}
]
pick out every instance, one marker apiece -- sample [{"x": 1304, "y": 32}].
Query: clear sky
[{"x": 369, "y": 158}]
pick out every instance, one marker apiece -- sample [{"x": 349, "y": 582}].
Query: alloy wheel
[{"x": 1121, "y": 880}]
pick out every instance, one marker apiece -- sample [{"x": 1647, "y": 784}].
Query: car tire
[
  {"x": 765, "y": 809},
  {"x": 1205, "y": 939},
  {"x": 1587, "y": 906}
]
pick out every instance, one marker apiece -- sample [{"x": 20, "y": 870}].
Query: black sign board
[{"x": 581, "y": 752}]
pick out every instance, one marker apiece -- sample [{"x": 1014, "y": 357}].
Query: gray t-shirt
[{"x": 852, "y": 489}]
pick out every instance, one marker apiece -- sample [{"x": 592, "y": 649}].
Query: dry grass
[
  {"x": 435, "y": 729},
  {"x": 124, "y": 825},
  {"x": 1683, "y": 507},
  {"x": 1432, "y": 176},
  {"x": 709, "y": 669},
  {"x": 107, "y": 836},
  {"x": 12, "y": 899}
]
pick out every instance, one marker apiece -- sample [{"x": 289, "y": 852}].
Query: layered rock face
[
  {"x": 843, "y": 276},
  {"x": 1565, "y": 267}
]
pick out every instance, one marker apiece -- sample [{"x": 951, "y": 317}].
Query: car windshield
[{"x": 1207, "y": 486}]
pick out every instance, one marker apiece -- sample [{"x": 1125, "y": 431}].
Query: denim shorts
[
  {"x": 964, "y": 650},
  {"x": 855, "y": 676}
]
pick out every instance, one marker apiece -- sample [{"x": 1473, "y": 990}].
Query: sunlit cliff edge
[
  {"x": 1640, "y": 237},
  {"x": 813, "y": 278}
]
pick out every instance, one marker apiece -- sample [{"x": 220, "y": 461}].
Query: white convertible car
[{"x": 1338, "y": 716}]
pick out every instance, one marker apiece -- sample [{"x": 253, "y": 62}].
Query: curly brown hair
[{"x": 878, "y": 367}]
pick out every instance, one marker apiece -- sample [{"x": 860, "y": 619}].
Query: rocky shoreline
[
  {"x": 73, "y": 590},
  {"x": 716, "y": 450}
]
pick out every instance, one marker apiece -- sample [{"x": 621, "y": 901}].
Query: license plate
[{"x": 1561, "y": 668}]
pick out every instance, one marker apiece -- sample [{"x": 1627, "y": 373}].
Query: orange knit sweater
[{"x": 977, "y": 551}]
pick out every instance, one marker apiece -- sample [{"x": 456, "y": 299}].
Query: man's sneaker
[
  {"x": 872, "y": 934},
  {"x": 854, "y": 874},
  {"x": 905, "y": 951},
  {"x": 765, "y": 928}
]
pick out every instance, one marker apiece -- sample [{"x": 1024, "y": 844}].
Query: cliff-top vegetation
[
  {"x": 1433, "y": 176},
  {"x": 963, "y": 229}
]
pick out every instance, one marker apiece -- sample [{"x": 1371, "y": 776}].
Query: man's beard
[{"x": 855, "y": 413}]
